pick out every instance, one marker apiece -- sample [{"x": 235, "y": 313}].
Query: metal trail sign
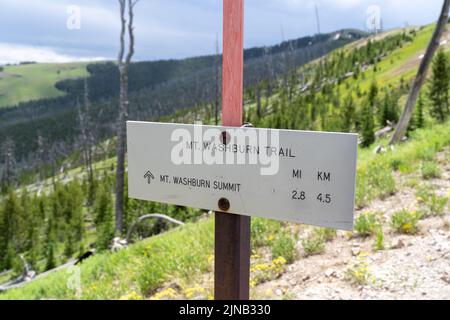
[
  {"x": 287, "y": 175},
  {"x": 299, "y": 176}
]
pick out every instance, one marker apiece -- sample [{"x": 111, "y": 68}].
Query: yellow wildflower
[
  {"x": 194, "y": 292},
  {"x": 280, "y": 261},
  {"x": 407, "y": 227},
  {"x": 269, "y": 292},
  {"x": 131, "y": 296},
  {"x": 166, "y": 294}
]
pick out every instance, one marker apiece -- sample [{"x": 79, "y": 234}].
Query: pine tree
[
  {"x": 10, "y": 256},
  {"x": 389, "y": 109},
  {"x": 384, "y": 111},
  {"x": 367, "y": 119},
  {"x": 373, "y": 94},
  {"x": 348, "y": 114},
  {"x": 25, "y": 222},
  {"x": 103, "y": 217},
  {"x": 69, "y": 246},
  {"x": 3, "y": 239},
  {"x": 417, "y": 119},
  {"x": 76, "y": 206},
  {"x": 439, "y": 86},
  {"x": 419, "y": 116},
  {"x": 11, "y": 214},
  {"x": 50, "y": 240},
  {"x": 50, "y": 256},
  {"x": 68, "y": 215},
  {"x": 368, "y": 126}
]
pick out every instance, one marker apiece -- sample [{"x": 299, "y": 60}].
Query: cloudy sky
[{"x": 38, "y": 29}]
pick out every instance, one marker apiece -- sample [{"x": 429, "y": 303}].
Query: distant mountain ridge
[{"x": 157, "y": 88}]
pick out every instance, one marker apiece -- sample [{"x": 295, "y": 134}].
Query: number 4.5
[{"x": 324, "y": 198}]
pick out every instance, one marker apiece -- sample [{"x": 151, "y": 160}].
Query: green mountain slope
[{"x": 28, "y": 82}]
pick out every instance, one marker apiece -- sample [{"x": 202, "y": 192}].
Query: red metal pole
[
  {"x": 233, "y": 62},
  {"x": 232, "y": 232}
]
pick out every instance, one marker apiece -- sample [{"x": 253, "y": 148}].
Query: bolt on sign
[{"x": 298, "y": 176}]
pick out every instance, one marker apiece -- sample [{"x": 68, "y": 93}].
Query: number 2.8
[
  {"x": 298, "y": 195},
  {"x": 301, "y": 195}
]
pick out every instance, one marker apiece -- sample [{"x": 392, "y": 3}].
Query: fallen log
[
  {"x": 150, "y": 216},
  {"x": 21, "y": 281}
]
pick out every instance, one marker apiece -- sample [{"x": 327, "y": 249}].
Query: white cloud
[
  {"x": 182, "y": 28},
  {"x": 347, "y": 4},
  {"x": 12, "y": 54},
  {"x": 342, "y": 4}
]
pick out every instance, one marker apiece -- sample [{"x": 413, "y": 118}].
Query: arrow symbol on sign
[{"x": 149, "y": 176}]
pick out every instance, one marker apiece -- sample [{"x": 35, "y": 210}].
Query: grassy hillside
[
  {"x": 404, "y": 62},
  {"x": 28, "y": 82},
  {"x": 392, "y": 72},
  {"x": 182, "y": 255}
]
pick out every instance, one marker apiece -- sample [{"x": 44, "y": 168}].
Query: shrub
[
  {"x": 435, "y": 205},
  {"x": 424, "y": 192},
  {"x": 379, "y": 240},
  {"x": 327, "y": 234},
  {"x": 263, "y": 231},
  {"x": 266, "y": 271},
  {"x": 314, "y": 244},
  {"x": 366, "y": 224},
  {"x": 396, "y": 164},
  {"x": 426, "y": 153},
  {"x": 405, "y": 222},
  {"x": 358, "y": 273},
  {"x": 381, "y": 179},
  {"x": 412, "y": 183},
  {"x": 283, "y": 246},
  {"x": 375, "y": 180},
  {"x": 430, "y": 170}
]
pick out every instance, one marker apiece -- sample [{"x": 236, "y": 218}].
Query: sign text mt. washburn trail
[{"x": 299, "y": 176}]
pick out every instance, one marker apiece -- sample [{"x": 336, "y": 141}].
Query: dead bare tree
[
  {"x": 258, "y": 99},
  {"x": 269, "y": 73},
  {"x": 42, "y": 155},
  {"x": 124, "y": 64},
  {"x": 9, "y": 162},
  {"x": 421, "y": 75},
  {"x": 87, "y": 138}
]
